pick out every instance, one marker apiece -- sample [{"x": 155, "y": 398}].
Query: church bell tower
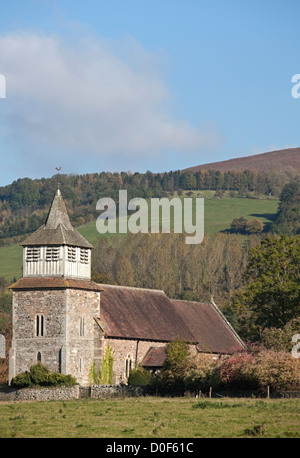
[{"x": 55, "y": 303}]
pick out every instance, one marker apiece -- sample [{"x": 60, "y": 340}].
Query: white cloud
[{"x": 92, "y": 101}]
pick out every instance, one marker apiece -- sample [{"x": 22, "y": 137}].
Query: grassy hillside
[{"x": 218, "y": 215}]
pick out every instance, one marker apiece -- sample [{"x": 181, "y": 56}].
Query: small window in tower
[
  {"x": 71, "y": 254},
  {"x": 40, "y": 325},
  {"x": 52, "y": 253},
  {"x": 84, "y": 256},
  {"x": 33, "y": 254},
  {"x": 39, "y": 357},
  {"x": 81, "y": 326}
]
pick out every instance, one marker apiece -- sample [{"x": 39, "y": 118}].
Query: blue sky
[{"x": 144, "y": 85}]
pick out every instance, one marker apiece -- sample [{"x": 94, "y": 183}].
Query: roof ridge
[
  {"x": 191, "y": 302},
  {"x": 133, "y": 287},
  {"x": 62, "y": 232}
]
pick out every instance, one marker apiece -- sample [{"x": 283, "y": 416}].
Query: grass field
[
  {"x": 218, "y": 215},
  {"x": 148, "y": 417}
]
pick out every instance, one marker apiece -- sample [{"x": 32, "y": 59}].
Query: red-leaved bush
[
  {"x": 244, "y": 371},
  {"x": 237, "y": 372},
  {"x": 279, "y": 370}
]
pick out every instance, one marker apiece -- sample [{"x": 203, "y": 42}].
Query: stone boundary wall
[
  {"x": 40, "y": 394},
  {"x": 68, "y": 392},
  {"x": 107, "y": 391},
  {"x": 65, "y": 393}
]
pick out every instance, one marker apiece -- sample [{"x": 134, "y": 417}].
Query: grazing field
[{"x": 152, "y": 418}]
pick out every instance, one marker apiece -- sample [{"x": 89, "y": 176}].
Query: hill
[
  {"x": 218, "y": 215},
  {"x": 273, "y": 160}
]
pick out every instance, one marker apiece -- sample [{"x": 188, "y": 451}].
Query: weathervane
[{"x": 58, "y": 170}]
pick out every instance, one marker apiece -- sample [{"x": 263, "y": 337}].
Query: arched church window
[{"x": 128, "y": 366}]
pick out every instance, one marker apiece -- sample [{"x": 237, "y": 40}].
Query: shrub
[
  {"x": 237, "y": 372},
  {"x": 107, "y": 366},
  {"x": 204, "y": 376},
  {"x": 56, "y": 378},
  {"x": 22, "y": 380},
  {"x": 257, "y": 371},
  {"x": 40, "y": 375},
  {"x": 139, "y": 377},
  {"x": 244, "y": 226},
  {"x": 278, "y": 370},
  {"x": 177, "y": 367},
  {"x": 166, "y": 383}
]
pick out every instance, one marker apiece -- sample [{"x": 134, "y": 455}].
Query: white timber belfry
[{"x": 57, "y": 249}]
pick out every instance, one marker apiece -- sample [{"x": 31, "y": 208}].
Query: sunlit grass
[{"x": 151, "y": 418}]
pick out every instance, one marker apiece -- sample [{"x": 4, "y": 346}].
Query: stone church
[{"x": 64, "y": 320}]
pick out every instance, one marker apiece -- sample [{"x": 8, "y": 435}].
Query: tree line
[
  {"x": 165, "y": 261},
  {"x": 25, "y": 202}
]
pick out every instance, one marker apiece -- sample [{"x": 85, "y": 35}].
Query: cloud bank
[{"x": 90, "y": 103}]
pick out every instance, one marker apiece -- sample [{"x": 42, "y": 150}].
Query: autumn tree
[
  {"x": 271, "y": 295},
  {"x": 178, "y": 365}
]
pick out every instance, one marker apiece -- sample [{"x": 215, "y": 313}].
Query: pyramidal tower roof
[{"x": 57, "y": 229}]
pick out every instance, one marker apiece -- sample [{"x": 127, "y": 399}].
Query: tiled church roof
[
  {"x": 57, "y": 229},
  {"x": 155, "y": 357},
  {"x": 136, "y": 313},
  {"x": 145, "y": 314},
  {"x": 208, "y": 325}
]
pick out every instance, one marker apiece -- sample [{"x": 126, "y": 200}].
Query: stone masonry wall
[
  {"x": 26, "y": 345},
  {"x": 83, "y": 307},
  {"x": 67, "y": 343},
  {"x": 133, "y": 349}
]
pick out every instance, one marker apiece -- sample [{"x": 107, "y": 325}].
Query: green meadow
[
  {"x": 218, "y": 215},
  {"x": 149, "y": 417}
]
